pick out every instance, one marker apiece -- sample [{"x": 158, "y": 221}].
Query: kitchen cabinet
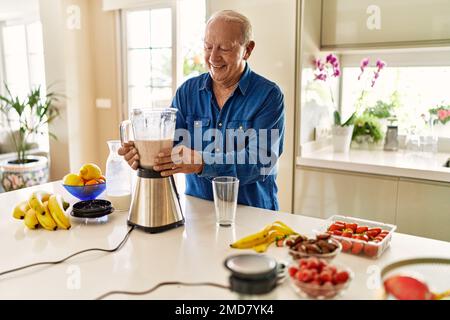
[
  {"x": 417, "y": 207},
  {"x": 424, "y": 208},
  {"x": 323, "y": 193},
  {"x": 385, "y": 23}
]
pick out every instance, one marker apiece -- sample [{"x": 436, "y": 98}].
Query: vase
[
  {"x": 366, "y": 142},
  {"x": 118, "y": 178},
  {"x": 342, "y": 137},
  {"x": 22, "y": 175},
  {"x": 441, "y": 130}
]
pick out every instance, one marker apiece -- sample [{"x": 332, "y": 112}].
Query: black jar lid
[
  {"x": 252, "y": 274},
  {"x": 92, "y": 208}
]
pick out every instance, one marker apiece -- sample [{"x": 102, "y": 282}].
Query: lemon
[
  {"x": 73, "y": 179},
  {"x": 90, "y": 171}
]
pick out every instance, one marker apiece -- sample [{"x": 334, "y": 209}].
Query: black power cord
[
  {"x": 72, "y": 255},
  {"x": 161, "y": 284}
]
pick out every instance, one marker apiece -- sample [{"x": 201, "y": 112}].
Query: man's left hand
[{"x": 180, "y": 159}]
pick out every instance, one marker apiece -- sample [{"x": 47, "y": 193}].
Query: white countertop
[
  {"x": 400, "y": 163},
  {"x": 192, "y": 253}
]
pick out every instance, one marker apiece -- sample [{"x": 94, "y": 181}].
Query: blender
[{"x": 155, "y": 205}]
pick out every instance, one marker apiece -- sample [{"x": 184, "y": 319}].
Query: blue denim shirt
[{"x": 227, "y": 137}]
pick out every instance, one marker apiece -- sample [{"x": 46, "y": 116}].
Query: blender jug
[
  {"x": 153, "y": 131},
  {"x": 155, "y": 206}
]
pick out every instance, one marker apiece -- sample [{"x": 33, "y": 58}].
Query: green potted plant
[
  {"x": 367, "y": 132},
  {"x": 26, "y": 118}
]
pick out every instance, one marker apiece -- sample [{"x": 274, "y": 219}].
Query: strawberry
[
  {"x": 373, "y": 232},
  {"x": 362, "y": 229},
  {"x": 370, "y": 250},
  {"x": 361, "y": 237},
  {"x": 352, "y": 226},
  {"x": 330, "y": 269},
  {"x": 357, "y": 247},
  {"x": 307, "y": 276},
  {"x": 326, "y": 276},
  {"x": 337, "y": 232},
  {"x": 313, "y": 263},
  {"x": 346, "y": 245},
  {"x": 335, "y": 226},
  {"x": 348, "y": 233},
  {"x": 292, "y": 271},
  {"x": 299, "y": 275},
  {"x": 341, "y": 277}
]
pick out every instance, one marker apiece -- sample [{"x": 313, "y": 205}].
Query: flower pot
[
  {"x": 22, "y": 175},
  {"x": 342, "y": 137},
  {"x": 365, "y": 142},
  {"x": 441, "y": 130}
]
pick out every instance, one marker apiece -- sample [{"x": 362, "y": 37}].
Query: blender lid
[
  {"x": 251, "y": 266},
  {"x": 92, "y": 208}
]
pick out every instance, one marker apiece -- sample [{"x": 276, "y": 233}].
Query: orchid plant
[
  {"x": 368, "y": 78},
  {"x": 324, "y": 70}
]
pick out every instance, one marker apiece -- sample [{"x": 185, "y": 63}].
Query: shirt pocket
[
  {"x": 240, "y": 124},
  {"x": 197, "y": 126},
  {"x": 195, "y": 122}
]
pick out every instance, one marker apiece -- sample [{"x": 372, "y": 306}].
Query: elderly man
[{"x": 240, "y": 113}]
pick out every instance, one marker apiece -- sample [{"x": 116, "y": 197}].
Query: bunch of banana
[
  {"x": 45, "y": 209},
  {"x": 261, "y": 240},
  {"x": 20, "y": 209}
]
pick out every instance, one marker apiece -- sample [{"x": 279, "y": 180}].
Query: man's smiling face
[{"x": 224, "y": 54}]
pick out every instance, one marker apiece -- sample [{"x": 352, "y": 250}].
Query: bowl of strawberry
[
  {"x": 360, "y": 237},
  {"x": 318, "y": 279}
]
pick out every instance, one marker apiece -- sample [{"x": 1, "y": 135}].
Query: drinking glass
[{"x": 225, "y": 199}]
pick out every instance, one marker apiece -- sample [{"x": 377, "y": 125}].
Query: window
[
  {"x": 162, "y": 47},
  {"x": 23, "y": 57},
  {"x": 157, "y": 58},
  {"x": 150, "y": 57},
  {"x": 415, "y": 85},
  {"x": 23, "y": 65}
]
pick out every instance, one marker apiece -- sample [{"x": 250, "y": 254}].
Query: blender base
[{"x": 157, "y": 229}]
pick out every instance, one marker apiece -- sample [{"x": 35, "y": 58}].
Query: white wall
[
  {"x": 19, "y": 9},
  {"x": 83, "y": 63}
]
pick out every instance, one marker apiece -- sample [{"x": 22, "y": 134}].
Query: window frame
[{"x": 176, "y": 50}]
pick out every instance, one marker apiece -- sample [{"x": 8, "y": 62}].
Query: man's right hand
[{"x": 130, "y": 154}]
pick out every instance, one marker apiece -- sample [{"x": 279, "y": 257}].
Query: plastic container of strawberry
[{"x": 371, "y": 246}]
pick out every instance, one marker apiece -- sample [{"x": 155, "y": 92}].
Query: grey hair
[{"x": 233, "y": 16}]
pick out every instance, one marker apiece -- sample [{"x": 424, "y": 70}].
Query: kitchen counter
[
  {"x": 400, "y": 163},
  {"x": 192, "y": 253}
]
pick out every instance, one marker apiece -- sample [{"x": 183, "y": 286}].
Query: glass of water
[{"x": 225, "y": 199}]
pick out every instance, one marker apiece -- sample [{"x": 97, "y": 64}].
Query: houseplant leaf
[{"x": 337, "y": 118}]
